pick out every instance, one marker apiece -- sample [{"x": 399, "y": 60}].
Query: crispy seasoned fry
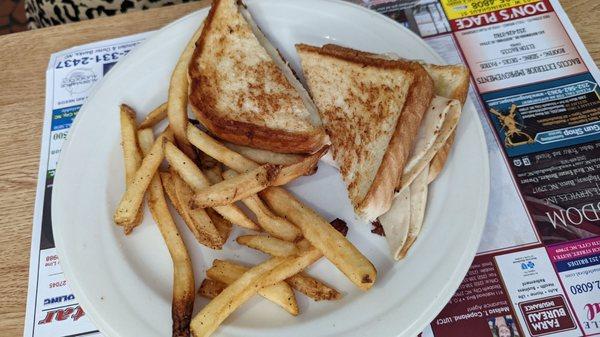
[
  {"x": 322, "y": 235},
  {"x": 223, "y": 225},
  {"x": 166, "y": 179},
  {"x": 316, "y": 229},
  {"x": 305, "y": 284},
  {"x": 168, "y": 134},
  {"x": 155, "y": 116},
  {"x": 275, "y": 225},
  {"x": 242, "y": 164},
  {"x": 213, "y": 173},
  {"x": 306, "y": 166},
  {"x": 183, "y": 275},
  {"x": 309, "y": 286},
  {"x": 313, "y": 288},
  {"x": 178, "y": 95},
  {"x": 197, "y": 219},
  {"x": 264, "y": 156},
  {"x": 215, "y": 312},
  {"x": 131, "y": 201},
  {"x": 236, "y": 188},
  {"x": 192, "y": 175},
  {"x": 268, "y": 245},
  {"x": 132, "y": 154},
  {"x": 211, "y": 288},
  {"x": 131, "y": 151},
  {"x": 185, "y": 167},
  {"x": 294, "y": 264},
  {"x": 270, "y": 272},
  {"x": 218, "y": 151},
  {"x": 280, "y": 293}
]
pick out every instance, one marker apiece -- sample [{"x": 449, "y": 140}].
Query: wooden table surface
[{"x": 23, "y": 60}]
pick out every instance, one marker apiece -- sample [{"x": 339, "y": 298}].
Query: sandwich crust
[{"x": 240, "y": 94}]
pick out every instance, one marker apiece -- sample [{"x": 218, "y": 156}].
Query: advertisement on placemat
[
  {"x": 52, "y": 309},
  {"x": 535, "y": 89}
]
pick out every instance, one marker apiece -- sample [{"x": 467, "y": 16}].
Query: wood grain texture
[{"x": 23, "y": 60}]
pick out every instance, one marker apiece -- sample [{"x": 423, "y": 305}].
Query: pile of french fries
[{"x": 205, "y": 181}]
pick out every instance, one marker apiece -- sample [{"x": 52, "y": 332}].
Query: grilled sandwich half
[
  {"x": 371, "y": 109},
  {"x": 242, "y": 90}
]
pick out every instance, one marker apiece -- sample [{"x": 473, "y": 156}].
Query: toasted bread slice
[
  {"x": 243, "y": 91},
  {"x": 371, "y": 109},
  {"x": 451, "y": 81}
]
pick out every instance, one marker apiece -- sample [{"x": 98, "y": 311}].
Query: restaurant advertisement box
[{"x": 537, "y": 272}]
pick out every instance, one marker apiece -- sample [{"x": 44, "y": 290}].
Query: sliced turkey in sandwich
[{"x": 428, "y": 156}]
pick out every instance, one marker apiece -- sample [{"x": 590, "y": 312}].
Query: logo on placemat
[
  {"x": 73, "y": 312},
  {"x": 547, "y": 315},
  {"x": 79, "y": 81}
]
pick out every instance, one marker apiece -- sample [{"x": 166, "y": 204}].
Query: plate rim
[{"x": 443, "y": 296}]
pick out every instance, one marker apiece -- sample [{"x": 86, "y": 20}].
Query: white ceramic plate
[{"x": 124, "y": 283}]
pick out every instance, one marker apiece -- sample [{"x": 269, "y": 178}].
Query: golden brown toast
[
  {"x": 242, "y": 90},
  {"x": 371, "y": 109}
]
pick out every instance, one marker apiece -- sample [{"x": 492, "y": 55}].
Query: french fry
[
  {"x": 280, "y": 293},
  {"x": 166, "y": 179},
  {"x": 313, "y": 288},
  {"x": 168, "y": 134},
  {"x": 178, "y": 95},
  {"x": 132, "y": 154},
  {"x": 268, "y": 273},
  {"x": 183, "y": 275},
  {"x": 294, "y": 264},
  {"x": 223, "y": 225},
  {"x": 131, "y": 201},
  {"x": 305, "y": 284},
  {"x": 314, "y": 228},
  {"x": 211, "y": 288},
  {"x": 236, "y": 188},
  {"x": 307, "y": 166},
  {"x": 217, "y": 310},
  {"x": 268, "y": 245},
  {"x": 213, "y": 174},
  {"x": 274, "y": 225},
  {"x": 242, "y": 164},
  {"x": 264, "y": 156},
  {"x": 194, "y": 177},
  {"x": 197, "y": 219},
  {"x": 154, "y": 117},
  {"x": 218, "y": 151},
  {"x": 323, "y": 236}
]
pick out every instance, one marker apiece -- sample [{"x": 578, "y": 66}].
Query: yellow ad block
[{"x": 456, "y": 9}]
